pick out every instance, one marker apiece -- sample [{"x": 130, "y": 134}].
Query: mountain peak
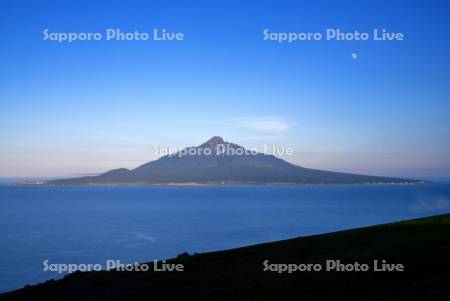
[
  {"x": 226, "y": 162},
  {"x": 213, "y": 142}
]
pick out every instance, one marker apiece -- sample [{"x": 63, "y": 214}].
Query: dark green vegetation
[
  {"x": 217, "y": 161},
  {"x": 422, "y": 246}
]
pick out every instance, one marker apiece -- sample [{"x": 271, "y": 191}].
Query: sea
[{"x": 92, "y": 224}]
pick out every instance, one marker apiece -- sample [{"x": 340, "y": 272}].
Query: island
[{"x": 220, "y": 162}]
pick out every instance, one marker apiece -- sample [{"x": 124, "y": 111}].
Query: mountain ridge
[{"x": 219, "y": 162}]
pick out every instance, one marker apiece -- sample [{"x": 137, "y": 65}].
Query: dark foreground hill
[
  {"x": 422, "y": 246},
  {"x": 217, "y": 161}
]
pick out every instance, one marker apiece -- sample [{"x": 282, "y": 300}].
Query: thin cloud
[
  {"x": 262, "y": 127},
  {"x": 264, "y": 124}
]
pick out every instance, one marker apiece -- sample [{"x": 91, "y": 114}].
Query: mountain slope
[{"x": 217, "y": 161}]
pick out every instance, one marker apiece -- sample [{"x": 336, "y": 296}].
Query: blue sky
[{"x": 86, "y": 107}]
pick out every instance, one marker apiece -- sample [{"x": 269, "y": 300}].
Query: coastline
[{"x": 182, "y": 184}]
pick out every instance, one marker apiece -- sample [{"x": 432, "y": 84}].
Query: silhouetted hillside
[{"x": 421, "y": 246}]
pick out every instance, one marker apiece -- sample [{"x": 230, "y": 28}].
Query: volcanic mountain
[{"x": 217, "y": 161}]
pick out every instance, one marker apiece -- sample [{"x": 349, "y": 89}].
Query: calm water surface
[{"x": 93, "y": 224}]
